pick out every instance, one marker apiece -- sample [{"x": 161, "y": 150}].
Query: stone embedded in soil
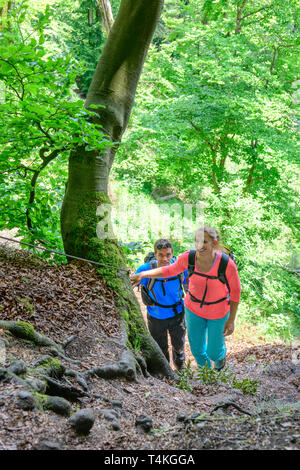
[
  {"x": 26, "y": 401},
  {"x": 99, "y": 395},
  {"x": 110, "y": 414},
  {"x": 45, "y": 444},
  {"x": 144, "y": 422},
  {"x": 58, "y": 405},
  {"x": 18, "y": 367},
  {"x": 181, "y": 417},
  {"x": 116, "y": 404},
  {"x": 116, "y": 425},
  {"x": 82, "y": 421}
]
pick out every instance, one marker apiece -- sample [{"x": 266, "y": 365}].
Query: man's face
[{"x": 163, "y": 257}]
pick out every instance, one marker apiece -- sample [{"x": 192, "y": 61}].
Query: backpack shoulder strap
[
  {"x": 191, "y": 262},
  {"x": 151, "y": 282},
  {"x": 222, "y": 268},
  {"x": 181, "y": 286}
]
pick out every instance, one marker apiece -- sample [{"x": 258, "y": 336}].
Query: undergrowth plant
[
  {"x": 248, "y": 386},
  {"x": 210, "y": 376}
]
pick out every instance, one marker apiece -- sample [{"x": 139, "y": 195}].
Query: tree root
[
  {"x": 226, "y": 404},
  {"x": 157, "y": 364},
  {"x": 58, "y": 353},
  {"x": 46, "y": 381},
  {"x": 46, "y": 365},
  {"x": 78, "y": 377},
  {"x": 142, "y": 366},
  {"x": 25, "y": 330},
  {"x": 52, "y": 372},
  {"x": 126, "y": 367},
  {"x": 56, "y": 388}
]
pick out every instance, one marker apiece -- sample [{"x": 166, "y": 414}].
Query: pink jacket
[{"x": 215, "y": 289}]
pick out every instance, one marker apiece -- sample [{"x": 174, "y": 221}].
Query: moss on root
[
  {"x": 94, "y": 212},
  {"x": 57, "y": 404},
  {"x": 25, "y": 330},
  {"x": 51, "y": 367}
]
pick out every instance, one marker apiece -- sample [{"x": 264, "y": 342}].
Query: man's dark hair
[{"x": 162, "y": 243}]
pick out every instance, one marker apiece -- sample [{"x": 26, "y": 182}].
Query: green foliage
[
  {"x": 217, "y": 117},
  {"x": 226, "y": 113},
  {"x": 132, "y": 249},
  {"x": 248, "y": 386},
  {"x": 184, "y": 376},
  {"x": 76, "y": 29},
  {"x": 40, "y": 124},
  {"x": 184, "y": 383},
  {"x": 208, "y": 375}
]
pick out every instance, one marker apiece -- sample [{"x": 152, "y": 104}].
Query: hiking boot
[{"x": 219, "y": 365}]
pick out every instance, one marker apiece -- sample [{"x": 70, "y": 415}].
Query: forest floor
[{"x": 62, "y": 301}]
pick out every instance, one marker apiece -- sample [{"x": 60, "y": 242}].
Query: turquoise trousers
[{"x": 206, "y": 338}]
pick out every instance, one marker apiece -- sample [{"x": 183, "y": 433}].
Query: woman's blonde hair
[{"x": 211, "y": 232}]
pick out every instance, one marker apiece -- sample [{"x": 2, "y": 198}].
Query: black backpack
[
  {"x": 221, "y": 276},
  {"x": 151, "y": 301}
]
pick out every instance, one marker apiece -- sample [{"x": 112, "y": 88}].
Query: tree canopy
[{"x": 215, "y": 120}]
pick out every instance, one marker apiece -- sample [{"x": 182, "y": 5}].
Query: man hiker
[{"x": 164, "y": 300}]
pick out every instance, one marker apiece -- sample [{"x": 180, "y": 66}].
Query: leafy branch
[
  {"x": 40, "y": 118},
  {"x": 33, "y": 182}
]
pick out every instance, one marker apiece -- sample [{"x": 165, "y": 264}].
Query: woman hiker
[{"x": 212, "y": 299}]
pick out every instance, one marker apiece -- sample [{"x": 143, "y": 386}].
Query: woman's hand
[
  {"x": 152, "y": 273},
  {"x": 135, "y": 279},
  {"x": 228, "y": 328}
]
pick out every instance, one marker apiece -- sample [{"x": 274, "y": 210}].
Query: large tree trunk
[
  {"x": 86, "y": 204},
  {"x": 113, "y": 86}
]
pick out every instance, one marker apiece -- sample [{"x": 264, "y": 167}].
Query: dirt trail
[{"x": 70, "y": 300}]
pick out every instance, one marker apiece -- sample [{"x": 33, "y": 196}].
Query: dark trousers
[{"x": 176, "y": 327}]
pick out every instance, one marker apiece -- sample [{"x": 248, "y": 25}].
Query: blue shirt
[{"x": 169, "y": 293}]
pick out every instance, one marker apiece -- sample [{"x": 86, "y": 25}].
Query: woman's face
[{"x": 204, "y": 244}]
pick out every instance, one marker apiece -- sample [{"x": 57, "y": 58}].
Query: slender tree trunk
[
  {"x": 250, "y": 179},
  {"x": 36, "y": 173},
  {"x": 4, "y": 9},
  {"x": 213, "y": 172},
  {"x": 239, "y": 17},
  {"x": 107, "y": 15},
  {"x": 272, "y": 66}
]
